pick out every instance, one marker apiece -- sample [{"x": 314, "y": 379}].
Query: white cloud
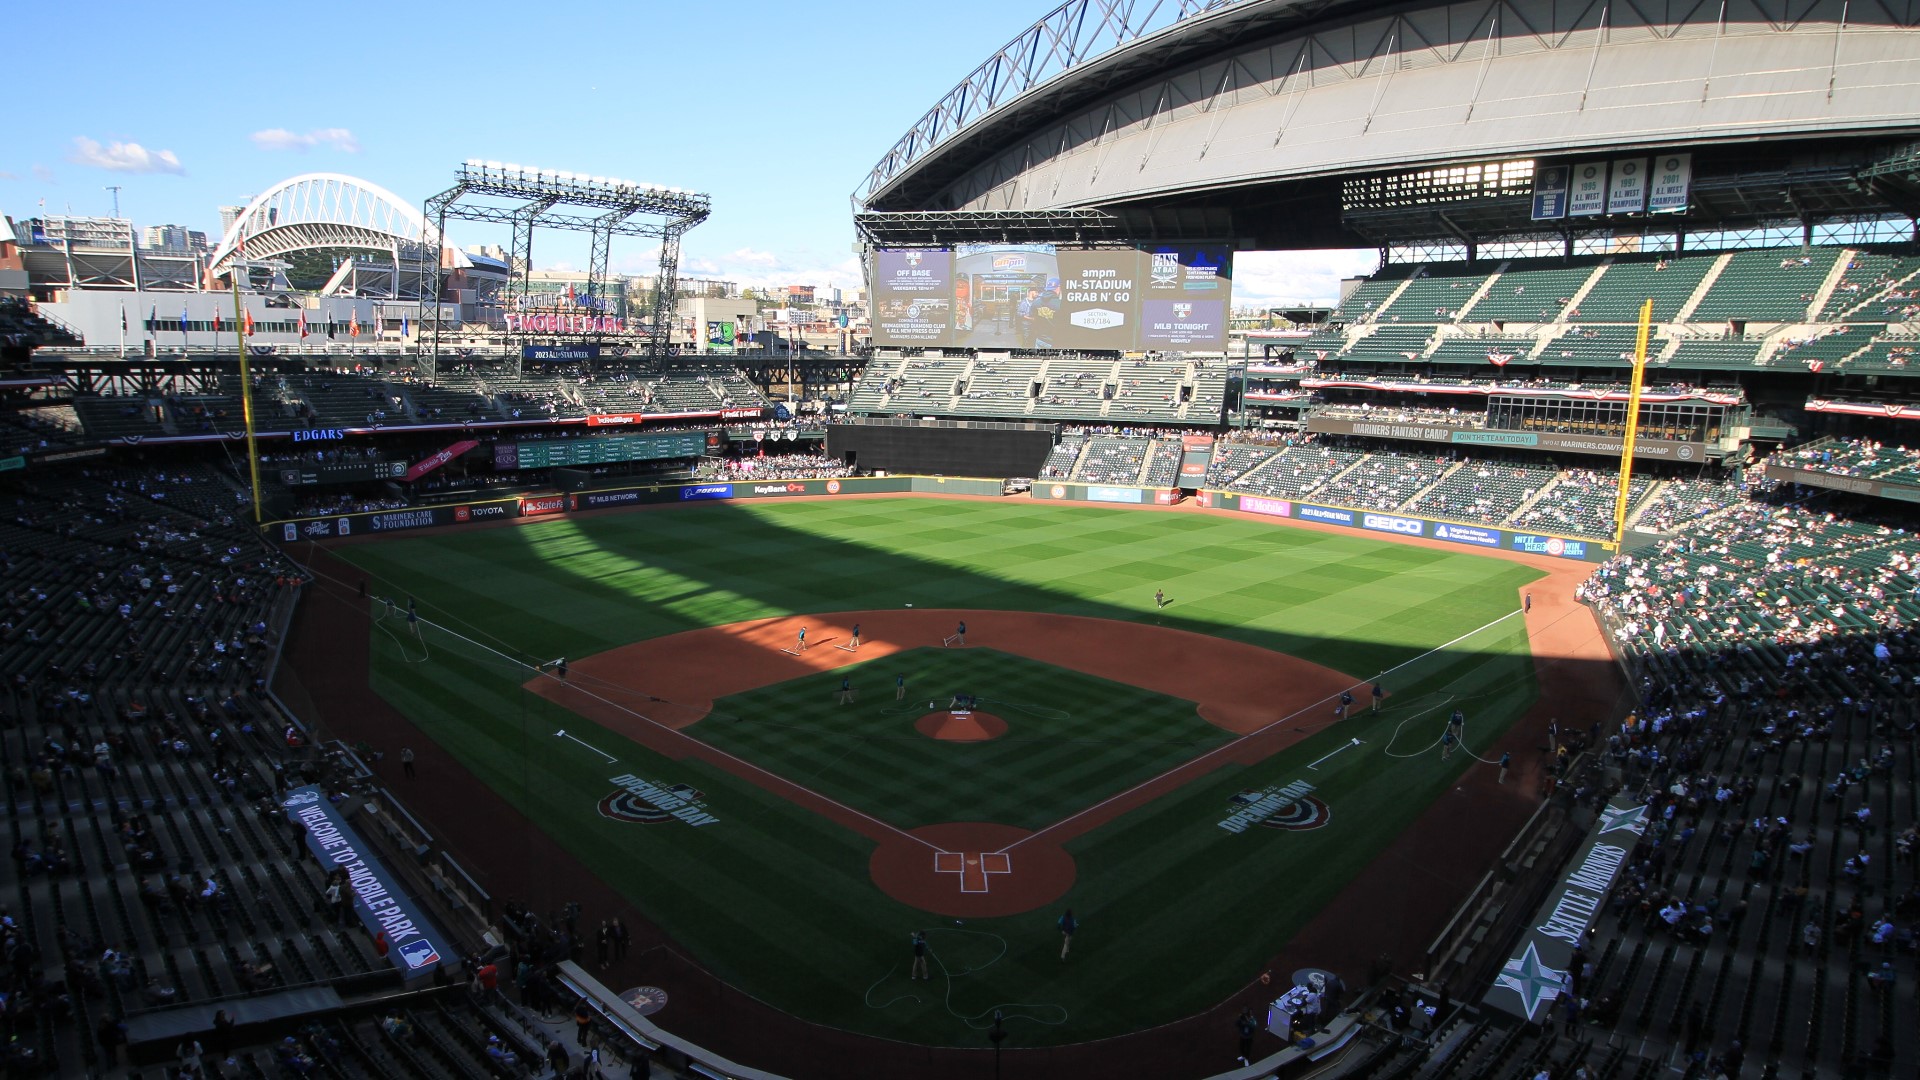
[
  {"x": 281, "y": 139},
  {"x": 42, "y": 174},
  {"x": 9, "y": 176},
  {"x": 123, "y": 157},
  {"x": 1296, "y": 277}
]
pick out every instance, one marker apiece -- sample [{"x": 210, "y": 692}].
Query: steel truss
[{"x": 534, "y": 193}]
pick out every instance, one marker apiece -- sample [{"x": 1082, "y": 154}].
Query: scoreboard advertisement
[
  {"x": 1045, "y": 296},
  {"x": 603, "y": 450}
]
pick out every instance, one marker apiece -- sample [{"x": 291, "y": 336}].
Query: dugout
[{"x": 943, "y": 447}]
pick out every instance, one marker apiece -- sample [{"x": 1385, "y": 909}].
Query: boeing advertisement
[{"x": 1045, "y": 296}]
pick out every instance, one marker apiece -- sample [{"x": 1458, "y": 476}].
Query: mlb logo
[
  {"x": 344, "y": 528},
  {"x": 301, "y": 798},
  {"x": 419, "y": 954},
  {"x": 1181, "y": 311},
  {"x": 913, "y": 258},
  {"x": 462, "y": 513},
  {"x": 289, "y": 532}
]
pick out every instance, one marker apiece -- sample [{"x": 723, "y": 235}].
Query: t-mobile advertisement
[
  {"x": 913, "y": 297},
  {"x": 1043, "y": 296}
]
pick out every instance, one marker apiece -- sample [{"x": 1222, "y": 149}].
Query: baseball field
[{"x": 1179, "y": 774}]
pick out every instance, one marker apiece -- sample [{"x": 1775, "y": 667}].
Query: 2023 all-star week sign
[{"x": 1536, "y": 973}]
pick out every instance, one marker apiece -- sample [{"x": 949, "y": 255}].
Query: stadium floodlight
[
  {"x": 491, "y": 164},
  {"x": 473, "y": 163}
]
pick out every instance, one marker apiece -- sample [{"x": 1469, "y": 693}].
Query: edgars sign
[{"x": 319, "y": 434}]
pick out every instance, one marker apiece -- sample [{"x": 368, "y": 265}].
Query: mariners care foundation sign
[{"x": 1537, "y": 972}]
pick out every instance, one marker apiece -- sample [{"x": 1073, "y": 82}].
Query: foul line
[
  {"x": 709, "y": 747},
  {"x": 1110, "y": 800}
]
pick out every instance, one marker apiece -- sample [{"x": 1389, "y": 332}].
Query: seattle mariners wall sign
[{"x": 644, "y": 802}]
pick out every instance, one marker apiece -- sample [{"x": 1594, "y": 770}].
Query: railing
[{"x": 1070, "y": 35}]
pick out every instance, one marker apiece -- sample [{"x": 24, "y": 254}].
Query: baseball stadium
[{"x": 437, "y": 669}]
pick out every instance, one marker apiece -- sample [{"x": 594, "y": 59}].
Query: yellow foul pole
[
  {"x": 246, "y": 384},
  {"x": 1633, "y": 425}
]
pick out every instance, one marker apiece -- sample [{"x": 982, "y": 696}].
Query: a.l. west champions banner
[{"x": 1045, "y": 296}]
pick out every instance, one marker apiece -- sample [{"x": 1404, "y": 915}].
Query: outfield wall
[
  {"x": 1485, "y": 536},
  {"x": 552, "y": 504}
]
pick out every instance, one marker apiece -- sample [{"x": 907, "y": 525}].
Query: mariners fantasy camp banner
[
  {"x": 415, "y": 945},
  {"x": 1536, "y": 973}
]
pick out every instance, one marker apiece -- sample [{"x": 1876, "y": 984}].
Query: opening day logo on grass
[
  {"x": 643, "y": 802},
  {"x": 1282, "y": 806}
]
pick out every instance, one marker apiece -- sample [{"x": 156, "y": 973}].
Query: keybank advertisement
[{"x": 1045, "y": 296}]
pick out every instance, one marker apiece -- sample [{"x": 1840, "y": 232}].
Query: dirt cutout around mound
[
  {"x": 649, "y": 691},
  {"x": 960, "y": 726}
]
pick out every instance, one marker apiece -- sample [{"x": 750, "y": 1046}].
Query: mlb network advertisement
[{"x": 1043, "y": 296}]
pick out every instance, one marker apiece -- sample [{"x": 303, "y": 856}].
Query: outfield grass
[
  {"x": 778, "y": 901},
  {"x": 1072, "y": 739}
]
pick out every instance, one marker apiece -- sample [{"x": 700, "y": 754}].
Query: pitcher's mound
[{"x": 961, "y": 727}]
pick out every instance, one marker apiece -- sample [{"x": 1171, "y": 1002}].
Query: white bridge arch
[{"x": 330, "y": 210}]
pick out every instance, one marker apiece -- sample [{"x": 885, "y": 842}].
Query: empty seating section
[
  {"x": 119, "y": 417},
  {"x": 1487, "y": 492},
  {"x": 927, "y": 386},
  {"x": 1537, "y": 294},
  {"x": 1209, "y": 401},
  {"x": 1149, "y": 390},
  {"x": 999, "y": 385},
  {"x": 1383, "y": 480},
  {"x": 1391, "y": 344},
  {"x": 1713, "y": 352},
  {"x": 1436, "y": 294},
  {"x": 1886, "y": 352},
  {"x": 870, "y": 392},
  {"x": 1074, "y": 388},
  {"x": 1371, "y": 293},
  {"x": 1768, "y": 286},
  {"x": 1232, "y": 460},
  {"x": 45, "y": 427},
  {"x": 1113, "y": 459},
  {"x": 1627, "y": 283},
  {"x": 1062, "y": 458},
  {"x": 1831, "y": 346},
  {"x": 1593, "y": 346},
  {"x": 1163, "y": 468},
  {"x": 1580, "y": 503},
  {"x": 1473, "y": 349},
  {"x": 1680, "y": 504},
  {"x": 1863, "y": 286},
  {"x": 1296, "y": 471}
]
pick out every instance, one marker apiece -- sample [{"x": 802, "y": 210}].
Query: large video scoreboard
[
  {"x": 1044, "y": 296},
  {"x": 600, "y": 450}
]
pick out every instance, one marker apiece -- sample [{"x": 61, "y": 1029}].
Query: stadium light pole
[{"x": 1632, "y": 432}]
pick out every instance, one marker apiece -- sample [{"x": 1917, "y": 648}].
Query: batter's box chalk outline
[{"x": 975, "y": 868}]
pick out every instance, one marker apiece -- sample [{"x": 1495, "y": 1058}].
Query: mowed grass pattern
[
  {"x": 1071, "y": 739},
  {"x": 778, "y": 902}
]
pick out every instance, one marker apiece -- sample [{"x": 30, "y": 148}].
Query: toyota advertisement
[{"x": 1044, "y": 296}]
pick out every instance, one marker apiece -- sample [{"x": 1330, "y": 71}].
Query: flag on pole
[
  {"x": 247, "y": 317},
  {"x": 183, "y": 317},
  {"x": 123, "y": 318},
  {"x": 406, "y": 325},
  {"x": 303, "y": 324},
  {"x": 216, "y": 320},
  {"x": 353, "y": 327},
  {"x": 329, "y": 325},
  {"x": 153, "y": 318}
]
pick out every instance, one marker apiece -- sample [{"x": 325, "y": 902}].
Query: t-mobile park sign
[{"x": 566, "y": 324}]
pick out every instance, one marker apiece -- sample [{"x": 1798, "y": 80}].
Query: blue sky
[{"x": 776, "y": 110}]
